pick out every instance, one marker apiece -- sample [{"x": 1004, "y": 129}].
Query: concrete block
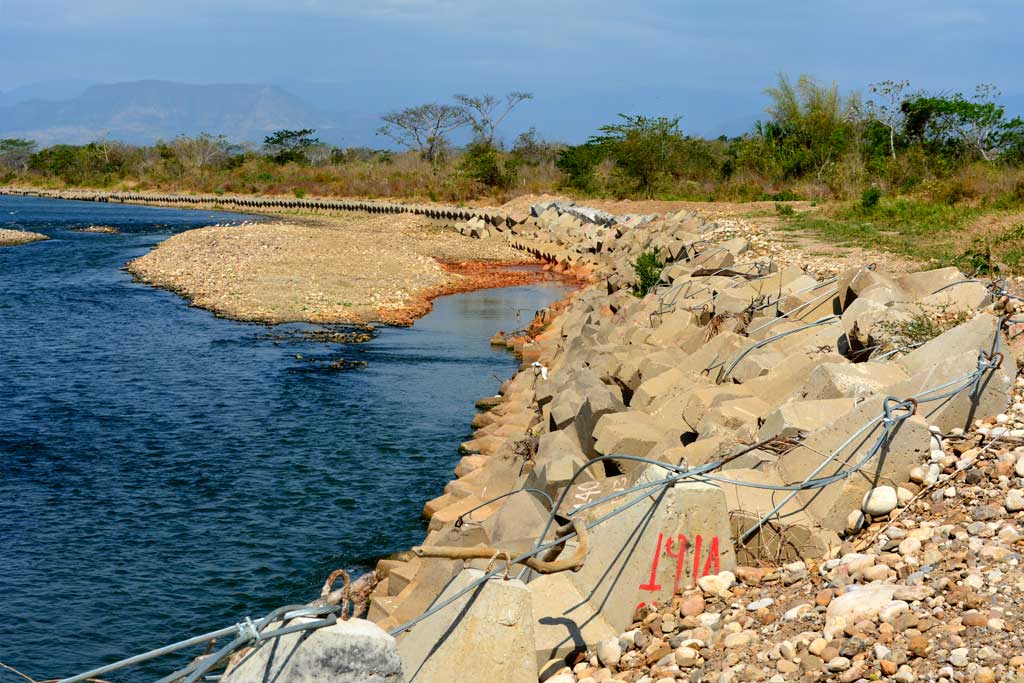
[
  {"x": 952, "y": 355},
  {"x": 631, "y": 433},
  {"x": 353, "y": 651},
  {"x": 925, "y": 282},
  {"x": 673, "y": 381},
  {"x": 965, "y": 298},
  {"x": 796, "y": 417},
  {"x": 564, "y": 621},
  {"x": 907, "y": 445},
  {"x": 848, "y": 380},
  {"x": 646, "y": 553},
  {"x": 486, "y": 635}
]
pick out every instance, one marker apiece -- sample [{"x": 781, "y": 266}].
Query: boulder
[{"x": 353, "y": 651}]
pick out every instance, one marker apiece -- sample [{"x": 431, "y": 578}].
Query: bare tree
[
  {"x": 196, "y": 153},
  {"x": 486, "y": 113},
  {"x": 888, "y": 111},
  {"x": 424, "y": 128}
]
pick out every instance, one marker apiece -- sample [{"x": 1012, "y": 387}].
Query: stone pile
[{"x": 790, "y": 395}]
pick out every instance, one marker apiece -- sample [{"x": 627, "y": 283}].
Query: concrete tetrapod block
[
  {"x": 791, "y": 419},
  {"x": 564, "y": 621},
  {"x": 926, "y": 282},
  {"x": 647, "y": 552},
  {"x": 790, "y": 535},
  {"x": 950, "y": 356},
  {"x": 907, "y": 445},
  {"x": 628, "y": 433},
  {"x": 848, "y": 380},
  {"x": 353, "y": 651},
  {"x": 486, "y": 635}
]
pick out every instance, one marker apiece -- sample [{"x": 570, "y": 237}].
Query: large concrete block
[
  {"x": 631, "y": 433},
  {"x": 907, "y": 445},
  {"x": 564, "y": 621},
  {"x": 353, "y": 651},
  {"x": 649, "y": 551},
  {"x": 926, "y": 282},
  {"x": 671, "y": 382},
  {"x": 953, "y": 355},
  {"x": 486, "y": 635},
  {"x": 848, "y": 380},
  {"x": 796, "y": 417}
]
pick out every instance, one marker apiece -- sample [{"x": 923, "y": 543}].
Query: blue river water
[{"x": 164, "y": 472}]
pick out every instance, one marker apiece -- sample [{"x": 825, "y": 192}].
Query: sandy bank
[
  {"x": 351, "y": 268},
  {"x": 12, "y": 238}
]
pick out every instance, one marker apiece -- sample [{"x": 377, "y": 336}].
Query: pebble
[
  {"x": 879, "y": 501},
  {"x": 609, "y": 652},
  {"x": 760, "y": 604},
  {"x": 837, "y": 664},
  {"x": 1014, "y": 501}
]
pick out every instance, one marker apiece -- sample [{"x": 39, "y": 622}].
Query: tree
[
  {"x": 424, "y": 128},
  {"x": 889, "y": 111},
  {"x": 486, "y": 113},
  {"x": 289, "y": 145},
  {"x": 643, "y": 148},
  {"x": 201, "y": 151},
  {"x": 812, "y": 122},
  {"x": 15, "y": 154},
  {"x": 975, "y": 127}
]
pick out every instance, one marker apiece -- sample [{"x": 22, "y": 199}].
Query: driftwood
[{"x": 548, "y": 564}]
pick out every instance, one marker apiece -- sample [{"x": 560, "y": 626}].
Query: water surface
[{"x": 164, "y": 472}]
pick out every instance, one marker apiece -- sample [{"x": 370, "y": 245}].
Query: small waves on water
[{"x": 164, "y": 472}]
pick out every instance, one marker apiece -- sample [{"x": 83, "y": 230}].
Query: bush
[
  {"x": 785, "y": 210},
  {"x": 299, "y": 193},
  {"x": 870, "y": 197},
  {"x": 647, "y": 268},
  {"x": 483, "y": 164}
]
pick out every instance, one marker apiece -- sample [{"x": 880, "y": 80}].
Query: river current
[{"x": 164, "y": 472}]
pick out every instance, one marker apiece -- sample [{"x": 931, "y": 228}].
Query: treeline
[{"x": 815, "y": 143}]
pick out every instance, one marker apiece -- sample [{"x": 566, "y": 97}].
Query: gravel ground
[
  {"x": 350, "y": 268},
  {"x": 932, "y": 591},
  {"x": 12, "y": 238}
]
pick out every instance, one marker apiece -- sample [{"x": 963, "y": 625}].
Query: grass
[{"x": 936, "y": 233}]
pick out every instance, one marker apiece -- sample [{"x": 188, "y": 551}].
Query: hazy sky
[{"x": 584, "y": 60}]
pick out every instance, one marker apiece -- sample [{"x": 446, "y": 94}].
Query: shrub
[
  {"x": 784, "y": 210},
  {"x": 647, "y": 268},
  {"x": 483, "y": 164},
  {"x": 869, "y": 198},
  {"x": 299, "y": 193}
]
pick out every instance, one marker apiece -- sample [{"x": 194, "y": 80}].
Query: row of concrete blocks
[{"x": 432, "y": 211}]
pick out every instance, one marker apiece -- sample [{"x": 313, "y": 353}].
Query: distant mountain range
[{"x": 142, "y": 112}]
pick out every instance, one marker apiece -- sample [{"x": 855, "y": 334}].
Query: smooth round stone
[{"x": 879, "y": 501}]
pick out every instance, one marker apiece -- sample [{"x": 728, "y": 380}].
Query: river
[{"x": 164, "y": 472}]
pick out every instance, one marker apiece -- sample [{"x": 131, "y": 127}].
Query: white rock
[
  {"x": 917, "y": 474},
  {"x": 1014, "y": 501},
  {"x": 758, "y": 604},
  {"x": 609, "y": 652},
  {"x": 1002, "y": 418},
  {"x": 716, "y": 584},
  {"x": 904, "y": 496},
  {"x": 1019, "y": 466},
  {"x": 958, "y": 657},
  {"x": 909, "y": 546},
  {"x": 879, "y": 501}
]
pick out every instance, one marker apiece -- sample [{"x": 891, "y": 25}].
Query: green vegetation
[
  {"x": 647, "y": 267},
  {"x": 921, "y": 327}
]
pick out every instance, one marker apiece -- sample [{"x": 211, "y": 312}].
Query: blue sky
[{"x": 585, "y": 61}]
